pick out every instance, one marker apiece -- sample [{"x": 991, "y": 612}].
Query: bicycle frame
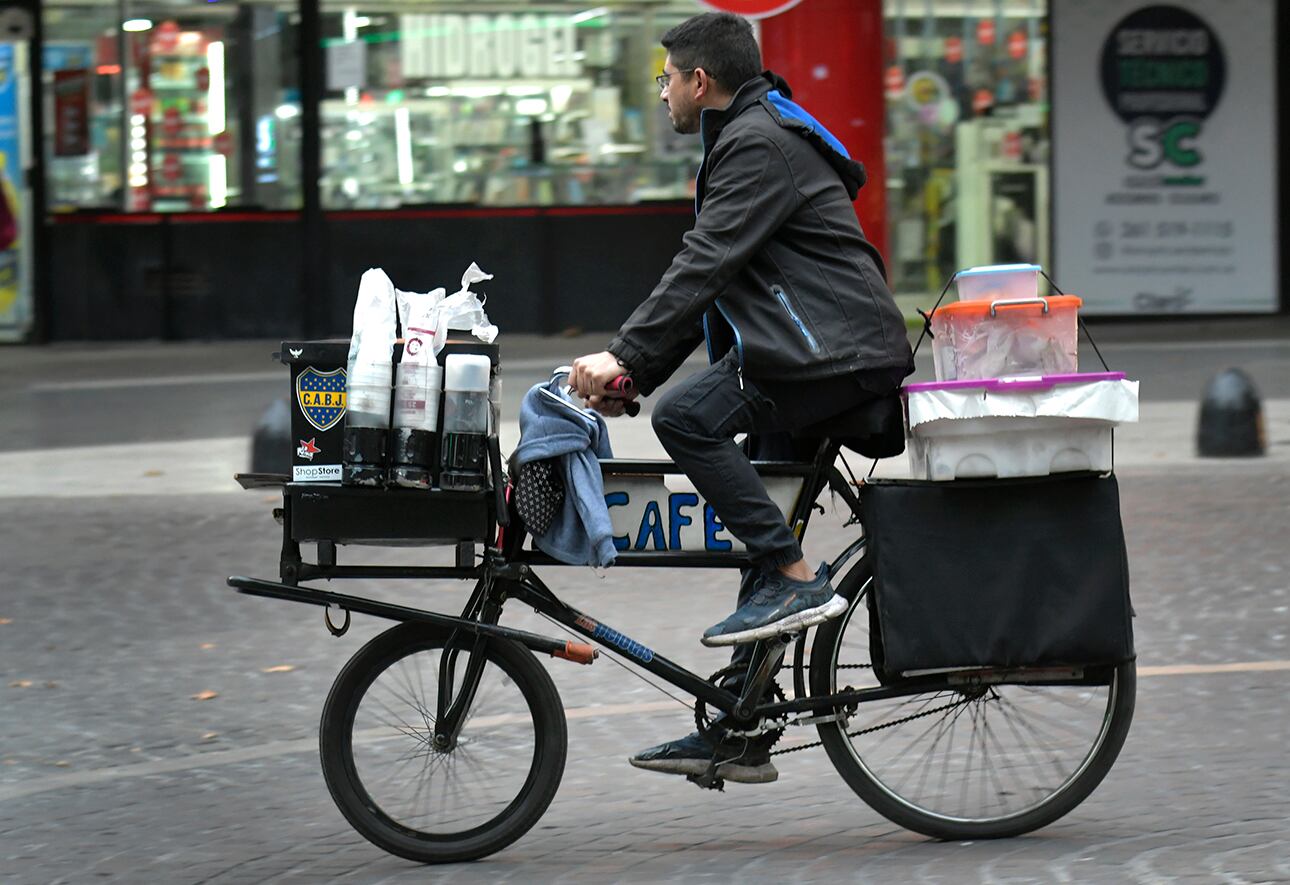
[{"x": 507, "y": 572}]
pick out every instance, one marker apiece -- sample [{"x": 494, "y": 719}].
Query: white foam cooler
[{"x": 1019, "y": 426}]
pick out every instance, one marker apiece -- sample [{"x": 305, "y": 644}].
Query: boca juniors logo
[{"x": 321, "y": 396}]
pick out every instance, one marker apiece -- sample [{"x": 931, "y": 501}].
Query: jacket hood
[{"x": 772, "y": 92}]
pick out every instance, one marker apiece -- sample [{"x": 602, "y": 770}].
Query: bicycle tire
[
  {"x": 353, "y": 782},
  {"x": 874, "y": 776}
]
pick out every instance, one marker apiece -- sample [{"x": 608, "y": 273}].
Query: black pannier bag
[{"x": 998, "y": 573}]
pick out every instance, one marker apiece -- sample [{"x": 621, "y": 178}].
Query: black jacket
[{"x": 776, "y": 265}]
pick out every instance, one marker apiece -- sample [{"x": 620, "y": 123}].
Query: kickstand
[{"x": 709, "y": 780}]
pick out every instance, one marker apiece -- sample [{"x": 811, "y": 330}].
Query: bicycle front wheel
[
  {"x": 434, "y": 805},
  {"x": 976, "y": 762}
]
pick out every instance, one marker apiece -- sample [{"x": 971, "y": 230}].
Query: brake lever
[{"x": 622, "y": 384}]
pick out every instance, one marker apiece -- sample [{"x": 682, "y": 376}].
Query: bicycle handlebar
[{"x": 625, "y": 386}]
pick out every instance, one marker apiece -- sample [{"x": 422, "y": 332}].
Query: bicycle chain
[{"x": 874, "y": 728}]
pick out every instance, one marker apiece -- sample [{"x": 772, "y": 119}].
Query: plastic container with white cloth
[{"x": 1021, "y": 426}]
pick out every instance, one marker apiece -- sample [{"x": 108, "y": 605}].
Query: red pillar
[{"x": 830, "y": 52}]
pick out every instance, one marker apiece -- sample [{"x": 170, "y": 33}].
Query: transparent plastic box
[
  {"x": 991, "y": 339},
  {"x": 998, "y": 282}
]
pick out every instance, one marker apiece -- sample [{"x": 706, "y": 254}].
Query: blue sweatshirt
[{"x": 553, "y": 426}]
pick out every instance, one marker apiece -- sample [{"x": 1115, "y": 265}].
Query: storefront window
[
  {"x": 520, "y": 105},
  {"x": 967, "y": 137},
  {"x": 156, "y": 107}
]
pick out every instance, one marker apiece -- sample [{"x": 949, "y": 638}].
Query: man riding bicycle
[{"x": 777, "y": 277}]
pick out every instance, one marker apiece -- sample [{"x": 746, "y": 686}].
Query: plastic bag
[
  {"x": 422, "y": 303},
  {"x": 464, "y": 310},
  {"x": 371, "y": 351},
  {"x": 419, "y": 378}
]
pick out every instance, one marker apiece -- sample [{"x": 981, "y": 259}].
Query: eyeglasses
[{"x": 663, "y": 79}]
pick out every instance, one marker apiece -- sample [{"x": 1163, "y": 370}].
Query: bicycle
[{"x": 958, "y": 754}]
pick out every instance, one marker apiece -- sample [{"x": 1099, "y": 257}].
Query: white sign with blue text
[{"x": 664, "y": 513}]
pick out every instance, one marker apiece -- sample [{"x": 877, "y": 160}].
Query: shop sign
[
  {"x": 929, "y": 95},
  {"x": 165, "y": 38},
  {"x": 172, "y": 121},
  {"x": 66, "y": 56},
  {"x": 752, "y": 8},
  {"x": 982, "y": 101},
  {"x": 170, "y": 167},
  {"x": 1177, "y": 215},
  {"x": 486, "y": 47},
  {"x": 141, "y": 102},
  {"x": 71, "y": 113},
  {"x": 1010, "y": 146},
  {"x": 1017, "y": 44},
  {"x": 15, "y": 285},
  {"x": 894, "y": 80},
  {"x": 954, "y": 50}
]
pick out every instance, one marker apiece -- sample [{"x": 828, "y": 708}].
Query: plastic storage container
[
  {"x": 991, "y": 339},
  {"x": 466, "y": 420},
  {"x": 417, "y": 390},
  {"x": 367, "y": 423},
  {"x": 998, "y": 282},
  {"x": 1021, "y": 427}
]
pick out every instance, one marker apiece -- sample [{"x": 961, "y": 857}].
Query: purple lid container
[{"x": 1015, "y": 384}]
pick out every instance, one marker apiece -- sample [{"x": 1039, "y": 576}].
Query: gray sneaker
[
  {"x": 691, "y": 754},
  {"x": 780, "y": 605}
]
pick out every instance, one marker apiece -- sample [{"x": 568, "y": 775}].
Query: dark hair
[{"x": 719, "y": 42}]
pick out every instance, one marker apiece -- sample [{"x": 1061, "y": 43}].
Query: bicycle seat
[{"x": 873, "y": 429}]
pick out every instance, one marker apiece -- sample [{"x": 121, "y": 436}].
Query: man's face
[{"x": 678, "y": 94}]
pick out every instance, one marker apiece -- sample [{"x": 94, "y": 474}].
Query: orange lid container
[{"x": 982, "y": 308}]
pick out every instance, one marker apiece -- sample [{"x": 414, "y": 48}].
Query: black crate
[
  {"x": 394, "y": 517},
  {"x": 318, "y": 400}
]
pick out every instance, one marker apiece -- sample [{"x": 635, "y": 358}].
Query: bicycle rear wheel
[
  {"x": 966, "y": 762},
  {"x": 439, "y": 806}
]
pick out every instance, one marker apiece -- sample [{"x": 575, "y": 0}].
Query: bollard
[
  {"x": 1231, "y": 417},
  {"x": 271, "y": 445}
]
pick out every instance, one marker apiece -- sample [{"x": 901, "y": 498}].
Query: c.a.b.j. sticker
[{"x": 321, "y": 396}]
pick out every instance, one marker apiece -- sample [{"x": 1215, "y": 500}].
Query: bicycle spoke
[
  {"x": 455, "y": 789},
  {"x": 983, "y": 754}
]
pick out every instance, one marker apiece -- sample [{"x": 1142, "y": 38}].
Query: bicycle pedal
[{"x": 707, "y": 782}]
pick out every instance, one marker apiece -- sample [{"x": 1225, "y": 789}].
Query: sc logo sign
[{"x": 1152, "y": 142}]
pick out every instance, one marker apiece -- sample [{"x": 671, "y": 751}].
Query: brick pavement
[{"x": 118, "y": 615}]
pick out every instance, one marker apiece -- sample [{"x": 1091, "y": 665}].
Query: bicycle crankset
[
  {"x": 731, "y": 743},
  {"x": 719, "y": 729}
]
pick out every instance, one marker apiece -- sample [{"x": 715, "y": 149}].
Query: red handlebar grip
[{"x": 622, "y": 384}]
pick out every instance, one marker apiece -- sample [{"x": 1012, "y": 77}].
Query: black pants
[{"x": 697, "y": 420}]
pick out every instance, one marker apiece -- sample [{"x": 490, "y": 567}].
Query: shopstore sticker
[
  {"x": 315, "y": 473},
  {"x": 321, "y": 397}
]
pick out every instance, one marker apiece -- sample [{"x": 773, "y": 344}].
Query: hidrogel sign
[{"x": 487, "y": 47}]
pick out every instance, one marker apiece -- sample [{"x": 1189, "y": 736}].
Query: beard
[
  {"x": 684, "y": 124},
  {"x": 684, "y": 120}
]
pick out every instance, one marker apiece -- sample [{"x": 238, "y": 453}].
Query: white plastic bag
[
  {"x": 420, "y": 378},
  {"x": 371, "y": 352},
  {"x": 464, "y": 310}
]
